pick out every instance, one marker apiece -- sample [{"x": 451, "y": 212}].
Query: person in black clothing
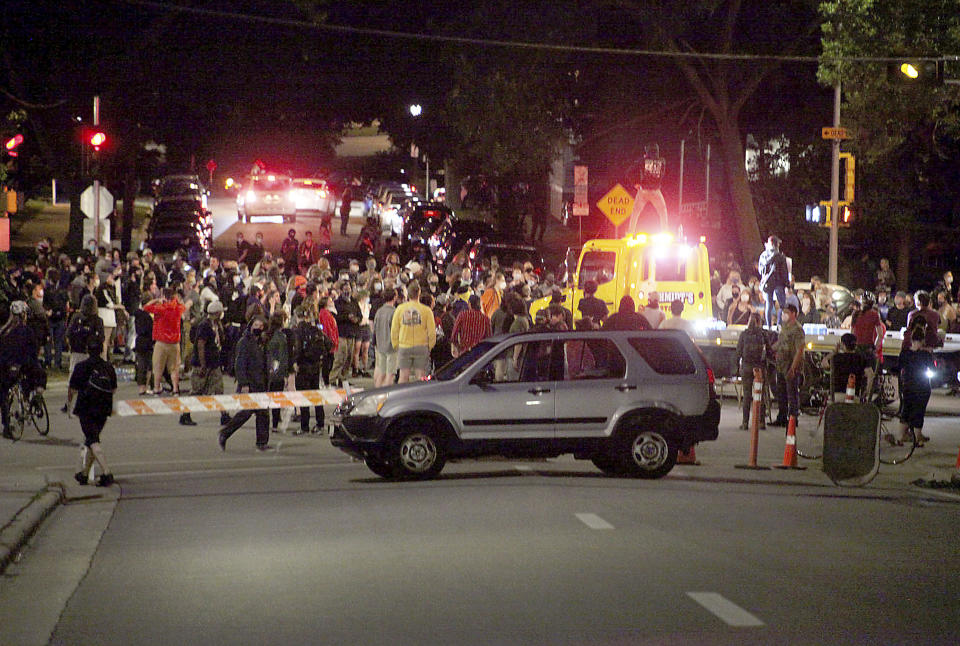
[
  {"x": 753, "y": 351},
  {"x": 93, "y": 382},
  {"x": 897, "y": 315},
  {"x": 57, "y": 302},
  {"x": 774, "y": 276},
  {"x": 626, "y": 317},
  {"x": 348, "y": 325},
  {"x": 251, "y": 372},
  {"x": 143, "y": 350},
  {"x": 346, "y": 197},
  {"x": 916, "y": 367},
  {"x": 207, "y": 359},
  {"x": 18, "y": 354},
  {"x": 591, "y": 306},
  {"x": 311, "y": 346},
  {"x": 848, "y": 361}
]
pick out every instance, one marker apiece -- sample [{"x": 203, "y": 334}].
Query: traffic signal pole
[
  {"x": 96, "y": 179},
  {"x": 835, "y": 191}
]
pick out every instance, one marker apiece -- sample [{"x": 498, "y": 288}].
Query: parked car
[
  {"x": 626, "y": 400},
  {"x": 452, "y": 235},
  {"x": 507, "y": 251},
  {"x": 182, "y": 187},
  {"x": 267, "y": 196},
  {"x": 179, "y": 223}
]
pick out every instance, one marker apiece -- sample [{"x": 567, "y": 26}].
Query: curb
[{"x": 18, "y": 531}]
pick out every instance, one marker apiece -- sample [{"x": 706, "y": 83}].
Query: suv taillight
[{"x": 711, "y": 378}]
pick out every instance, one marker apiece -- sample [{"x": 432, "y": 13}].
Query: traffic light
[
  {"x": 11, "y": 144},
  {"x": 97, "y": 139},
  {"x": 849, "y": 176},
  {"x": 822, "y": 214},
  {"x": 927, "y": 72}
]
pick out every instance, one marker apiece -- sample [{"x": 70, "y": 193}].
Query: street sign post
[
  {"x": 88, "y": 204},
  {"x": 617, "y": 205},
  {"x": 834, "y": 133},
  {"x": 580, "y": 205}
]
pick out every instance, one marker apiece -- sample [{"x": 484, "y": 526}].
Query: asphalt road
[{"x": 302, "y": 545}]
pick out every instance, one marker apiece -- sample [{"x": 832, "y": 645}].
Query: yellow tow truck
[{"x": 637, "y": 265}]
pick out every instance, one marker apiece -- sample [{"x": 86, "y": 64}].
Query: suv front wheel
[
  {"x": 645, "y": 453},
  {"x": 417, "y": 450}
]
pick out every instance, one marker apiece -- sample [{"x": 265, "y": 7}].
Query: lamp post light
[{"x": 415, "y": 111}]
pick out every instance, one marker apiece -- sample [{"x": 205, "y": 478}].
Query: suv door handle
[
  {"x": 625, "y": 387},
  {"x": 538, "y": 391}
]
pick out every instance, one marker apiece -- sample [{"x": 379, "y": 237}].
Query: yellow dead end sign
[{"x": 617, "y": 205}]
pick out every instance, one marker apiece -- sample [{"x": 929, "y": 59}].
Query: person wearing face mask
[
  {"x": 739, "y": 310},
  {"x": 492, "y": 296},
  {"x": 348, "y": 318},
  {"x": 250, "y": 369},
  {"x": 725, "y": 293}
]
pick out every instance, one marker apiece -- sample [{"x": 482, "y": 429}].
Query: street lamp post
[
  {"x": 415, "y": 111},
  {"x": 835, "y": 191}
]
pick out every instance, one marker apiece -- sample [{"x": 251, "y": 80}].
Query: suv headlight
[{"x": 370, "y": 405}]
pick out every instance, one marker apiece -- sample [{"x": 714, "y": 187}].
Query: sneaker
[
  {"x": 187, "y": 421},
  {"x": 743, "y": 426},
  {"x": 105, "y": 480},
  {"x": 81, "y": 477},
  {"x": 222, "y": 441},
  {"x": 63, "y": 409},
  {"x": 299, "y": 431}
]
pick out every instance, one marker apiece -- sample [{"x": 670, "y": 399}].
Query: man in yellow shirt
[{"x": 413, "y": 332}]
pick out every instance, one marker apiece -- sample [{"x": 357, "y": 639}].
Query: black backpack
[
  {"x": 754, "y": 347},
  {"x": 314, "y": 344},
  {"x": 80, "y": 330}
]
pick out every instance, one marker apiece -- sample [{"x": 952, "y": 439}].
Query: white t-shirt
[{"x": 678, "y": 323}]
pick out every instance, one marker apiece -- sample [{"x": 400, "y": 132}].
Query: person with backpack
[
  {"x": 753, "y": 350},
  {"x": 311, "y": 347},
  {"x": 93, "y": 382},
  {"x": 207, "y": 359},
  {"x": 84, "y": 324}
]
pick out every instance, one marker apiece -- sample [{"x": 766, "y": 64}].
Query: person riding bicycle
[{"x": 18, "y": 359}]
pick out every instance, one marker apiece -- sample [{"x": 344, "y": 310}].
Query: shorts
[
  {"x": 385, "y": 363},
  {"x": 365, "y": 334},
  {"x": 914, "y": 408},
  {"x": 415, "y": 358},
  {"x": 166, "y": 355},
  {"x": 91, "y": 427}
]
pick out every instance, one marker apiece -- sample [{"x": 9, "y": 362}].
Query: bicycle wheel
[
  {"x": 38, "y": 414},
  {"x": 887, "y": 394},
  {"x": 16, "y": 413},
  {"x": 900, "y": 451},
  {"x": 809, "y": 439}
]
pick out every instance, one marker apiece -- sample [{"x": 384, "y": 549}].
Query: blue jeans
[
  {"x": 53, "y": 351},
  {"x": 768, "y": 308}
]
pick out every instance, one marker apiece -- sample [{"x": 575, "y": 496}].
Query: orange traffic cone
[
  {"x": 851, "y": 395},
  {"x": 688, "y": 457},
  {"x": 790, "y": 450}
]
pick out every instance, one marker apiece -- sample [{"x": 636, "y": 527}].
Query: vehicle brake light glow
[
  {"x": 271, "y": 178},
  {"x": 251, "y": 196},
  {"x": 662, "y": 238}
]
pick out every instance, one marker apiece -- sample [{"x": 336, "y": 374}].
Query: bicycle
[{"x": 27, "y": 408}]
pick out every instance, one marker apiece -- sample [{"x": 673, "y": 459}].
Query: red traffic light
[
  {"x": 12, "y": 143},
  {"x": 97, "y": 139}
]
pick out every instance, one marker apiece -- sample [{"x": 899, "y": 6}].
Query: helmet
[{"x": 18, "y": 308}]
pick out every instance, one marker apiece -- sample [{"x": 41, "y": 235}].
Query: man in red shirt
[
  {"x": 471, "y": 327},
  {"x": 167, "y": 313}
]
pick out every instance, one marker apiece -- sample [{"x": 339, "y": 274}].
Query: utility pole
[
  {"x": 835, "y": 191},
  {"x": 96, "y": 179}
]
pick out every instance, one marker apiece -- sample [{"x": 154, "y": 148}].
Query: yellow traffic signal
[
  {"x": 908, "y": 70},
  {"x": 850, "y": 176}
]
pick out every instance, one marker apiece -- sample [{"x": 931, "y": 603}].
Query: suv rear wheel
[
  {"x": 382, "y": 469},
  {"x": 417, "y": 450}
]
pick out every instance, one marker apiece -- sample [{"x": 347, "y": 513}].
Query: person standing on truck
[
  {"x": 774, "y": 277},
  {"x": 648, "y": 190}
]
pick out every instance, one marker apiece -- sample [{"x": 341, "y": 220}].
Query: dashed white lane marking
[
  {"x": 593, "y": 521},
  {"x": 523, "y": 467},
  {"x": 729, "y": 612}
]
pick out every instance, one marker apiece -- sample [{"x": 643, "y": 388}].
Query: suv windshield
[{"x": 455, "y": 368}]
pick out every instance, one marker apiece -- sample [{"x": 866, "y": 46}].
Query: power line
[{"x": 515, "y": 44}]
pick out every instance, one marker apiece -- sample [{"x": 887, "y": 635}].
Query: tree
[
  {"x": 724, "y": 87},
  {"x": 902, "y": 134}
]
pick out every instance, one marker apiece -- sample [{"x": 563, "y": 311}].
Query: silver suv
[{"x": 625, "y": 400}]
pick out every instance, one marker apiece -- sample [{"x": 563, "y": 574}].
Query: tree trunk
[
  {"x": 903, "y": 258},
  {"x": 732, "y": 151}
]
